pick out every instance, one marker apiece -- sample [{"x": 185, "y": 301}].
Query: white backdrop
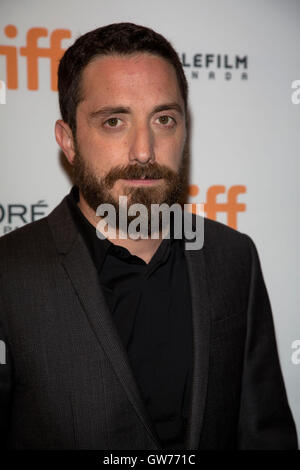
[{"x": 240, "y": 57}]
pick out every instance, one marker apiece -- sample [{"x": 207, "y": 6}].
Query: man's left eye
[{"x": 166, "y": 120}]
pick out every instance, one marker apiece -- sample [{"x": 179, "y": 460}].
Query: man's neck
[{"x": 143, "y": 248}]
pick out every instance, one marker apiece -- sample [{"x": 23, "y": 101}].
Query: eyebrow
[{"x": 107, "y": 110}]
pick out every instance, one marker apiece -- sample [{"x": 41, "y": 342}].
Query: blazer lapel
[
  {"x": 84, "y": 277},
  {"x": 201, "y": 342}
]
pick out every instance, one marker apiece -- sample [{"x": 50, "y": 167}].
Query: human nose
[{"x": 141, "y": 145}]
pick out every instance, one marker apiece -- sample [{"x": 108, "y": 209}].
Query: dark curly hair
[{"x": 116, "y": 38}]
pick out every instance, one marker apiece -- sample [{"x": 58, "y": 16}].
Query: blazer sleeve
[
  {"x": 265, "y": 418},
  {"x": 5, "y": 389}
]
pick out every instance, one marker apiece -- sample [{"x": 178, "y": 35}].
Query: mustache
[{"x": 152, "y": 171}]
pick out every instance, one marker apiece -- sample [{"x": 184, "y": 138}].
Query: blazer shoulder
[
  {"x": 28, "y": 246},
  {"x": 24, "y": 236},
  {"x": 228, "y": 248},
  {"x": 34, "y": 236},
  {"x": 219, "y": 235}
]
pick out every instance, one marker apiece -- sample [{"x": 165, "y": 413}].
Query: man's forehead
[
  {"x": 135, "y": 72},
  {"x": 138, "y": 61}
]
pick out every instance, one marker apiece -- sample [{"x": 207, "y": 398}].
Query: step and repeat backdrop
[{"x": 242, "y": 62}]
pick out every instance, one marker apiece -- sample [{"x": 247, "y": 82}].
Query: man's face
[{"x": 130, "y": 126}]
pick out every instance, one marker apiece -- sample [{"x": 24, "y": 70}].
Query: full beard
[{"x": 98, "y": 190}]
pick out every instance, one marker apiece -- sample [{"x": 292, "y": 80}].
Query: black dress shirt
[{"x": 153, "y": 320}]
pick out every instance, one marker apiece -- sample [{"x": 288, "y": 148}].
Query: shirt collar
[{"x": 99, "y": 248}]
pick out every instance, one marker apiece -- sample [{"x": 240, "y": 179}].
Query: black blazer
[{"x": 67, "y": 382}]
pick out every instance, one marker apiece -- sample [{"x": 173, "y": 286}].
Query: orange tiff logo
[
  {"x": 32, "y": 52},
  {"x": 212, "y": 207}
]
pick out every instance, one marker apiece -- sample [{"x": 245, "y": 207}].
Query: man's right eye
[{"x": 112, "y": 122}]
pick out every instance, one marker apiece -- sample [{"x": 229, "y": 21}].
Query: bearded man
[{"x": 120, "y": 342}]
